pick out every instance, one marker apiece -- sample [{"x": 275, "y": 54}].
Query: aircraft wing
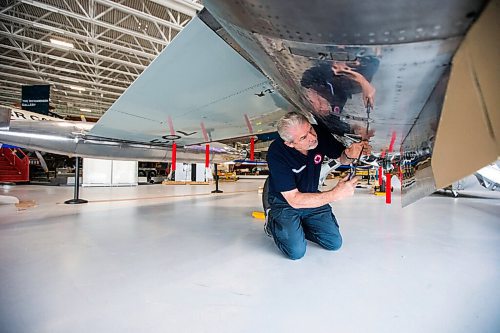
[{"x": 198, "y": 89}]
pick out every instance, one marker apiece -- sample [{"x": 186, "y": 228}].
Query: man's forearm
[{"x": 312, "y": 200}]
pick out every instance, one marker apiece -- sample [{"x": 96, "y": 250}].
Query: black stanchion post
[
  {"x": 216, "y": 181},
  {"x": 76, "y": 199}
]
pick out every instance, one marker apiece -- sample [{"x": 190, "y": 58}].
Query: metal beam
[
  {"x": 85, "y": 53},
  {"x": 156, "y": 24},
  {"x": 27, "y": 23},
  {"x": 57, "y": 100},
  {"x": 63, "y": 78},
  {"x": 60, "y": 69},
  {"x": 76, "y": 62},
  {"x": 184, "y": 7},
  {"x": 66, "y": 85},
  {"x": 66, "y": 93},
  {"x": 21, "y": 54},
  {"x": 140, "y": 14},
  {"x": 93, "y": 21}
]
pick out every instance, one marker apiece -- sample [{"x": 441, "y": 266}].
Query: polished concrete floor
[{"x": 179, "y": 259}]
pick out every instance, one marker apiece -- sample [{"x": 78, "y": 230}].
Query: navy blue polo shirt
[{"x": 290, "y": 169}]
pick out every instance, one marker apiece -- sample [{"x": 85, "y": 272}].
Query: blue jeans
[{"x": 291, "y": 227}]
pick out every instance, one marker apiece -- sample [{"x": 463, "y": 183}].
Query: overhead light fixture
[
  {"x": 86, "y": 110},
  {"x": 61, "y": 43},
  {"x": 77, "y": 88}
]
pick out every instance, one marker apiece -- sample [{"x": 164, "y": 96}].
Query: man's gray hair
[{"x": 290, "y": 119}]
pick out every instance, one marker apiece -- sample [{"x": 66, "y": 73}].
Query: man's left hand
[{"x": 354, "y": 150}]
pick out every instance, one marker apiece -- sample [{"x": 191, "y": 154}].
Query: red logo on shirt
[{"x": 317, "y": 159}]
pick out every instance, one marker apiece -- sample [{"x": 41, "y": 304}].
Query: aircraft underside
[{"x": 371, "y": 70}]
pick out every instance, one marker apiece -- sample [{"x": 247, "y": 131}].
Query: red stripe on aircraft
[
  {"x": 249, "y": 125},
  {"x": 204, "y": 131},
  {"x": 393, "y": 139},
  {"x": 171, "y": 125}
]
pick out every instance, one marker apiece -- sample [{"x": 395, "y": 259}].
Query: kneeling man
[{"x": 298, "y": 211}]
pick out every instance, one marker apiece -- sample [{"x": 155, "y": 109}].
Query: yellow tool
[{"x": 259, "y": 215}]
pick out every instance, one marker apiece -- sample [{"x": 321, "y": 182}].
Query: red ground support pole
[
  {"x": 174, "y": 155},
  {"x": 388, "y": 188},
  {"x": 252, "y": 148},
  {"x": 207, "y": 155}
]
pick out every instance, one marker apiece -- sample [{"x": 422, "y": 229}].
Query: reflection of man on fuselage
[{"x": 330, "y": 84}]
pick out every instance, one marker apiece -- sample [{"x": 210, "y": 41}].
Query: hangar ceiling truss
[{"x": 89, "y": 51}]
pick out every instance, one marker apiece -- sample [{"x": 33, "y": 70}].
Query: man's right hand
[{"x": 344, "y": 188}]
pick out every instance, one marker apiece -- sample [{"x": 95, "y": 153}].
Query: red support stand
[
  {"x": 252, "y": 148},
  {"x": 388, "y": 188},
  {"x": 174, "y": 155},
  {"x": 207, "y": 155},
  {"x": 174, "y": 160}
]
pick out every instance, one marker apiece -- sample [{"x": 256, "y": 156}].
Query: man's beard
[{"x": 312, "y": 146}]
